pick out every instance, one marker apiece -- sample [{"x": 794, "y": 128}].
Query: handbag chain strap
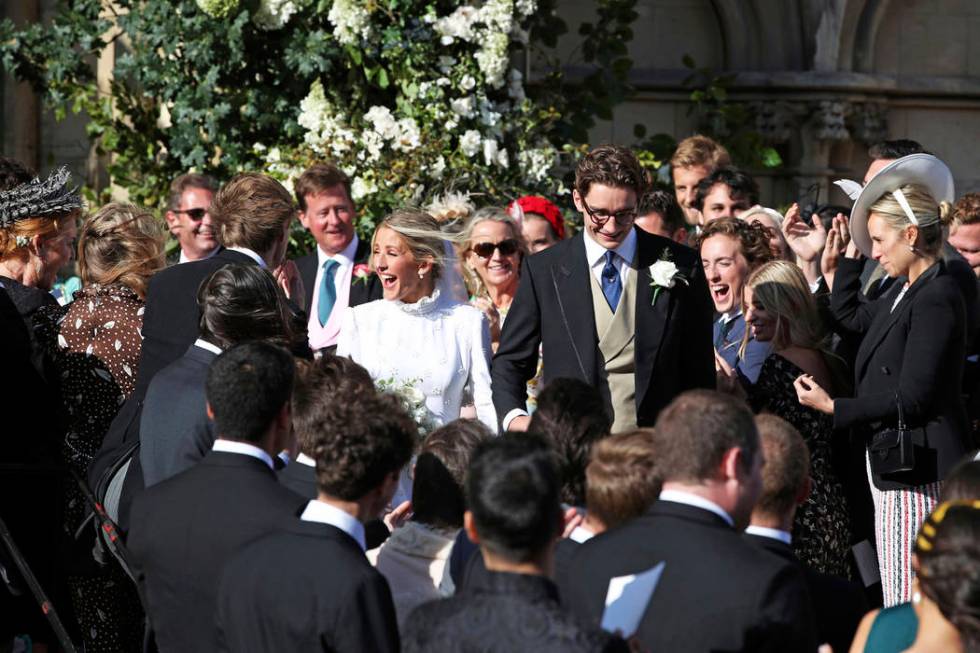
[{"x": 901, "y": 417}]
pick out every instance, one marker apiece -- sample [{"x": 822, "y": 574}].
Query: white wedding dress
[{"x": 438, "y": 345}]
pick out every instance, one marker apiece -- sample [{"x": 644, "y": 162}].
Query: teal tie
[{"x": 328, "y": 292}]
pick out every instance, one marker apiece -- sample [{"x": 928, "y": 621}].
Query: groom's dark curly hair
[
  {"x": 359, "y": 441},
  {"x": 610, "y": 165}
]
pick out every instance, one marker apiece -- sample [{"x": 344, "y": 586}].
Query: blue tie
[
  {"x": 612, "y": 286},
  {"x": 328, "y": 292}
]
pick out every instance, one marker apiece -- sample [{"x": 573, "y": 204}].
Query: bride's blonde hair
[{"x": 421, "y": 234}]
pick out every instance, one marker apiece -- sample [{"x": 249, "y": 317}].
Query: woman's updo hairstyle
[
  {"x": 121, "y": 243},
  {"x": 948, "y": 551},
  {"x": 421, "y": 234},
  {"x": 932, "y": 216}
]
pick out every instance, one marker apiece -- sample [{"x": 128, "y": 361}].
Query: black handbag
[{"x": 892, "y": 451}]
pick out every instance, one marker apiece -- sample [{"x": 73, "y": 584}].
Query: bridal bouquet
[{"x": 413, "y": 400}]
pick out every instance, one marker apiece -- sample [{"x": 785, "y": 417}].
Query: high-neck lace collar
[{"x": 423, "y": 306}]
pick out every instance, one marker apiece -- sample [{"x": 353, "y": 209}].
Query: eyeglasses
[
  {"x": 600, "y": 217},
  {"x": 195, "y": 214},
  {"x": 507, "y": 248}
]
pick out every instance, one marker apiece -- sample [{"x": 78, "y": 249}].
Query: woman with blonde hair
[
  {"x": 907, "y": 407},
  {"x": 416, "y": 337},
  {"x": 780, "y": 310},
  {"x": 94, "y": 343}
]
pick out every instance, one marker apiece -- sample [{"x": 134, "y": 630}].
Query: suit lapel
[
  {"x": 880, "y": 328},
  {"x": 362, "y": 292},
  {"x": 307, "y": 272},
  {"x": 651, "y": 317},
  {"x": 573, "y": 292}
]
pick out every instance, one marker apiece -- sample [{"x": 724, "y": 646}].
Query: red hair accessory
[{"x": 544, "y": 208}]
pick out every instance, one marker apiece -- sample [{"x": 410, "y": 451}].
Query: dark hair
[
  {"x": 358, "y": 442},
  {"x": 323, "y": 381},
  {"x": 622, "y": 478},
  {"x": 664, "y": 203},
  {"x": 13, "y": 173},
  {"x": 570, "y": 416},
  {"x": 610, "y": 165},
  {"x": 740, "y": 186},
  {"x": 786, "y": 468},
  {"x": 512, "y": 492},
  {"x": 246, "y": 388},
  {"x": 440, "y": 472},
  {"x": 751, "y": 236},
  {"x": 242, "y": 302},
  {"x": 895, "y": 149},
  {"x": 318, "y": 178},
  {"x": 696, "y": 429},
  {"x": 948, "y": 551},
  {"x": 185, "y": 182},
  {"x": 963, "y": 482}
]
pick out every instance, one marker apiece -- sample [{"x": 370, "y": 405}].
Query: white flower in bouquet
[
  {"x": 413, "y": 400},
  {"x": 351, "y": 21},
  {"x": 470, "y": 142},
  {"x": 463, "y": 106}
]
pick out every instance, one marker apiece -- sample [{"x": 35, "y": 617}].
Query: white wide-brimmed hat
[{"x": 921, "y": 169}]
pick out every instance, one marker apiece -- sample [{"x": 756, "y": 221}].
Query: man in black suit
[
  {"x": 252, "y": 214},
  {"x": 184, "y": 529},
  {"x": 514, "y": 514},
  {"x": 238, "y": 303},
  {"x": 716, "y": 591},
  {"x": 618, "y": 308},
  {"x": 837, "y": 603},
  {"x": 310, "y": 587},
  {"x": 335, "y": 276}
]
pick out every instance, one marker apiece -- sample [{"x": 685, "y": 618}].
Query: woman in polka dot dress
[{"x": 95, "y": 344}]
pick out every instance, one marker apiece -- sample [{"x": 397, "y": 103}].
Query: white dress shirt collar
[
  {"x": 728, "y": 317},
  {"x": 183, "y": 257},
  {"x": 345, "y": 257},
  {"x": 690, "y": 499},
  {"x": 207, "y": 346},
  {"x": 249, "y": 253},
  {"x": 580, "y": 535},
  {"x": 244, "y": 448},
  {"x": 303, "y": 459},
  {"x": 773, "y": 533},
  {"x": 324, "y": 513},
  {"x": 595, "y": 253}
]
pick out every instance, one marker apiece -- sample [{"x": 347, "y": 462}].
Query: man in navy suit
[
  {"x": 623, "y": 310},
  {"x": 335, "y": 276}
]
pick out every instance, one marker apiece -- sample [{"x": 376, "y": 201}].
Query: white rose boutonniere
[{"x": 664, "y": 274}]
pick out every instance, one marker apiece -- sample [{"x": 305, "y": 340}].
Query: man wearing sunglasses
[
  {"x": 188, "y": 216},
  {"x": 603, "y": 309}
]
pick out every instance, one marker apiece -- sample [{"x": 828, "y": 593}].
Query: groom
[{"x": 622, "y": 310}]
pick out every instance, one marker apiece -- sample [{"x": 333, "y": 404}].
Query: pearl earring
[
  {"x": 421, "y": 274},
  {"x": 916, "y": 597}
]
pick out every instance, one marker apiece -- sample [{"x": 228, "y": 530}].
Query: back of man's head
[
  {"x": 247, "y": 387},
  {"x": 512, "y": 494},
  {"x": 895, "y": 149},
  {"x": 358, "y": 442},
  {"x": 665, "y": 205},
  {"x": 571, "y": 416},
  {"x": 621, "y": 479},
  {"x": 252, "y": 211},
  {"x": 786, "y": 471},
  {"x": 440, "y": 472},
  {"x": 326, "y": 380},
  {"x": 696, "y": 430},
  {"x": 243, "y": 302}
]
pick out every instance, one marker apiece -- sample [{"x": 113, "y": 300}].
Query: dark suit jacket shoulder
[
  {"x": 175, "y": 431},
  {"x": 170, "y": 322},
  {"x": 361, "y": 292},
  {"x": 553, "y": 307},
  {"x": 183, "y": 531},
  {"x": 838, "y": 604},
  {"x": 503, "y": 612},
  {"x": 716, "y": 592},
  {"x": 307, "y": 588}
]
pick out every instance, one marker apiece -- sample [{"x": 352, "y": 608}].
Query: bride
[{"x": 418, "y": 336}]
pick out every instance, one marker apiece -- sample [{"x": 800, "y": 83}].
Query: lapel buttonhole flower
[{"x": 664, "y": 274}]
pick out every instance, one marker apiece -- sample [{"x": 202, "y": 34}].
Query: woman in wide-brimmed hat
[{"x": 907, "y": 405}]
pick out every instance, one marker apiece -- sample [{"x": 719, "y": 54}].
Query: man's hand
[
  {"x": 397, "y": 517},
  {"x": 519, "y": 423},
  {"x": 838, "y": 241},
  {"x": 287, "y": 276},
  {"x": 806, "y": 240}
]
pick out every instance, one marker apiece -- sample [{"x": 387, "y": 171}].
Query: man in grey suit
[{"x": 238, "y": 303}]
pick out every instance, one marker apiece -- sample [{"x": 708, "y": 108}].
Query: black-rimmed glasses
[{"x": 600, "y": 216}]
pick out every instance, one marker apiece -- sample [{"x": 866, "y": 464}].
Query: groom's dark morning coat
[{"x": 553, "y": 306}]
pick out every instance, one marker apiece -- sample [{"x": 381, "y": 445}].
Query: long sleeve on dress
[{"x": 479, "y": 381}]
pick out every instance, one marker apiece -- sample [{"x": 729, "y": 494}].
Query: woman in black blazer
[{"x": 910, "y": 362}]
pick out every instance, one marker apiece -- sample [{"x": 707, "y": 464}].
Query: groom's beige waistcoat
[{"x": 617, "y": 340}]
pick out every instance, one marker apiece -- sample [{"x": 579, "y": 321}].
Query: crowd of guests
[{"x": 462, "y": 433}]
